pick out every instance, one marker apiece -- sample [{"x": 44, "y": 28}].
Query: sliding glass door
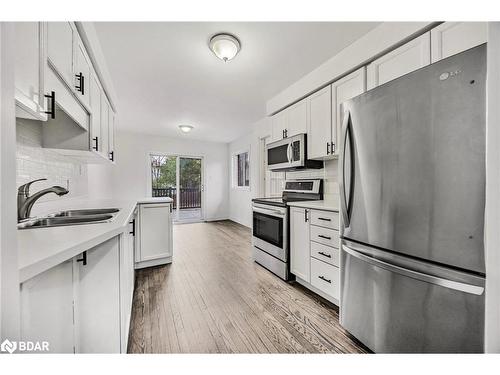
[{"x": 180, "y": 178}]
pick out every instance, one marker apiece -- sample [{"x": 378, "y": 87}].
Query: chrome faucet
[{"x": 25, "y": 202}]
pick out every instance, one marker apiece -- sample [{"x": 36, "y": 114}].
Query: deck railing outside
[{"x": 189, "y": 197}]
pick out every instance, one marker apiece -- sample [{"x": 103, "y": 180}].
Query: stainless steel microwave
[{"x": 290, "y": 154}]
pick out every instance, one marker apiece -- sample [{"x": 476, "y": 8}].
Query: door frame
[{"x": 149, "y": 188}]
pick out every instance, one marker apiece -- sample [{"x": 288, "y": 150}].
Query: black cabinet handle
[
  {"x": 325, "y": 279},
  {"x": 325, "y": 237},
  {"x": 112, "y": 156},
  {"x": 52, "y": 111},
  {"x": 327, "y": 148},
  {"x": 324, "y": 254},
  {"x": 96, "y": 140},
  {"x": 305, "y": 216},
  {"x": 324, "y": 219},
  {"x": 332, "y": 147},
  {"x": 283, "y": 133},
  {"x": 286, "y": 133},
  {"x": 133, "y": 227},
  {"x": 81, "y": 83},
  {"x": 84, "y": 258}
]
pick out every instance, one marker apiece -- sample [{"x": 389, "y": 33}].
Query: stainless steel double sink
[{"x": 71, "y": 217}]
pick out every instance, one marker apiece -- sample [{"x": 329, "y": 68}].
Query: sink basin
[
  {"x": 85, "y": 212},
  {"x": 46, "y": 222}
]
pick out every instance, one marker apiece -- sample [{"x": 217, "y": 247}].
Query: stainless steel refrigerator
[{"x": 412, "y": 205}]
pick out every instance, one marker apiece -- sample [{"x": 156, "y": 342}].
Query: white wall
[
  {"x": 492, "y": 234},
  {"x": 131, "y": 173},
  {"x": 9, "y": 274}
]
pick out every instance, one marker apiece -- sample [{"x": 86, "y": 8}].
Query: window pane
[{"x": 242, "y": 169}]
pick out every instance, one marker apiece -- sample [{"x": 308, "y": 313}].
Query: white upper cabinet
[
  {"x": 319, "y": 130},
  {"x": 451, "y": 38},
  {"x": 28, "y": 70},
  {"x": 297, "y": 118},
  {"x": 344, "y": 89},
  {"x": 409, "y": 57},
  {"x": 279, "y": 123},
  {"x": 300, "y": 261},
  {"x": 60, "y": 49},
  {"x": 82, "y": 74},
  {"x": 111, "y": 134},
  {"x": 95, "y": 116}
]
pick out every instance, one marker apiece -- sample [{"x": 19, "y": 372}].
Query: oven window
[
  {"x": 268, "y": 228},
  {"x": 277, "y": 155}
]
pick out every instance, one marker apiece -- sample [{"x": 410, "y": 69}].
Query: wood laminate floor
[{"x": 214, "y": 299}]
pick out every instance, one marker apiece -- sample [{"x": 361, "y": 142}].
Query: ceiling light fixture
[
  {"x": 185, "y": 128},
  {"x": 225, "y": 46}
]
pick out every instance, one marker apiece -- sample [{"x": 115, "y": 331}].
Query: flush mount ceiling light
[
  {"x": 185, "y": 128},
  {"x": 225, "y": 46}
]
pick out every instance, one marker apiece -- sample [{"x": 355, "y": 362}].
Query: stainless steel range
[{"x": 270, "y": 224}]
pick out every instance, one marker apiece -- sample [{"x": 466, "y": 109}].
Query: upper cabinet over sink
[{"x": 56, "y": 83}]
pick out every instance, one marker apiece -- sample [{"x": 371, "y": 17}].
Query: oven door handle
[{"x": 268, "y": 212}]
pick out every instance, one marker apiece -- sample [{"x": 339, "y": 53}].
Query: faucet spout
[{"x": 25, "y": 202}]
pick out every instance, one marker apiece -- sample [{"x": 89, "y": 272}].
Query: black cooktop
[{"x": 282, "y": 201}]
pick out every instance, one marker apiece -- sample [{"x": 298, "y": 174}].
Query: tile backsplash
[
  {"x": 35, "y": 162},
  {"x": 330, "y": 177}
]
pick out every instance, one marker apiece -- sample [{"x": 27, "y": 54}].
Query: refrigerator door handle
[
  {"x": 344, "y": 204},
  {"x": 450, "y": 284}
]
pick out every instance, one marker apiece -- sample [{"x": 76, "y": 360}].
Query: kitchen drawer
[
  {"x": 325, "y": 253},
  {"x": 325, "y": 277},
  {"x": 325, "y": 236},
  {"x": 325, "y": 219}
]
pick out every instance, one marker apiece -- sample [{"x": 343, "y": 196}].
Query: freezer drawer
[{"x": 392, "y": 309}]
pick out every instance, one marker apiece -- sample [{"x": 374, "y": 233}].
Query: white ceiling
[{"x": 165, "y": 75}]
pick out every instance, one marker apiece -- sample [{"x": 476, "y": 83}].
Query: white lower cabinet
[
  {"x": 314, "y": 251},
  {"x": 299, "y": 243},
  {"x": 47, "y": 308},
  {"x": 154, "y": 241},
  {"x": 97, "y": 302},
  {"x": 84, "y": 304}
]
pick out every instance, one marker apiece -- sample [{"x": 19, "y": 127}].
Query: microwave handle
[{"x": 289, "y": 152}]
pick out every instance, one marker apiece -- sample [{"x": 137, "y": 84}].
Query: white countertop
[
  {"x": 325, "y": 205},
  {"x": 40, "y": 249}
]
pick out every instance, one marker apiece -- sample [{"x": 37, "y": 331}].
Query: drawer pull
[
  {"x": 324, "y": 219},
  {"x": 324, "y": 254},
  {"x": 325, "y": 237},
  {"x": 325, "y": 279}
]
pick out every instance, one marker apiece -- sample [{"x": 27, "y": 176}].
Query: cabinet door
[
  {"x": 155, "y": 231},
  {"x": 60, "y": 49},
  {"x": 319, "y": 132},
  {"x": 279, "y": 124},
  {"x": 47, "y": 308},
  {"x": 297, "y": 118},
  {"x": 409, "y": 57},
  {"x": 300, "y": 258},
  {"x": 28, "y": 69},
  {"x": 104, "y": 125},
  {"x": 98, "y": 299},
  {"x": 95, "y": 116},
  {"x": 111, "y": 134},
  {"x": 344, "y": 89},
  {"x": 126, "y": 283},
  {"x": 82, "y": 74},
  {"x": 451, "y": 38}
]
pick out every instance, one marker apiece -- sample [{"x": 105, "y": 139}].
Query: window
[{"x": 241, "y": 170}]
